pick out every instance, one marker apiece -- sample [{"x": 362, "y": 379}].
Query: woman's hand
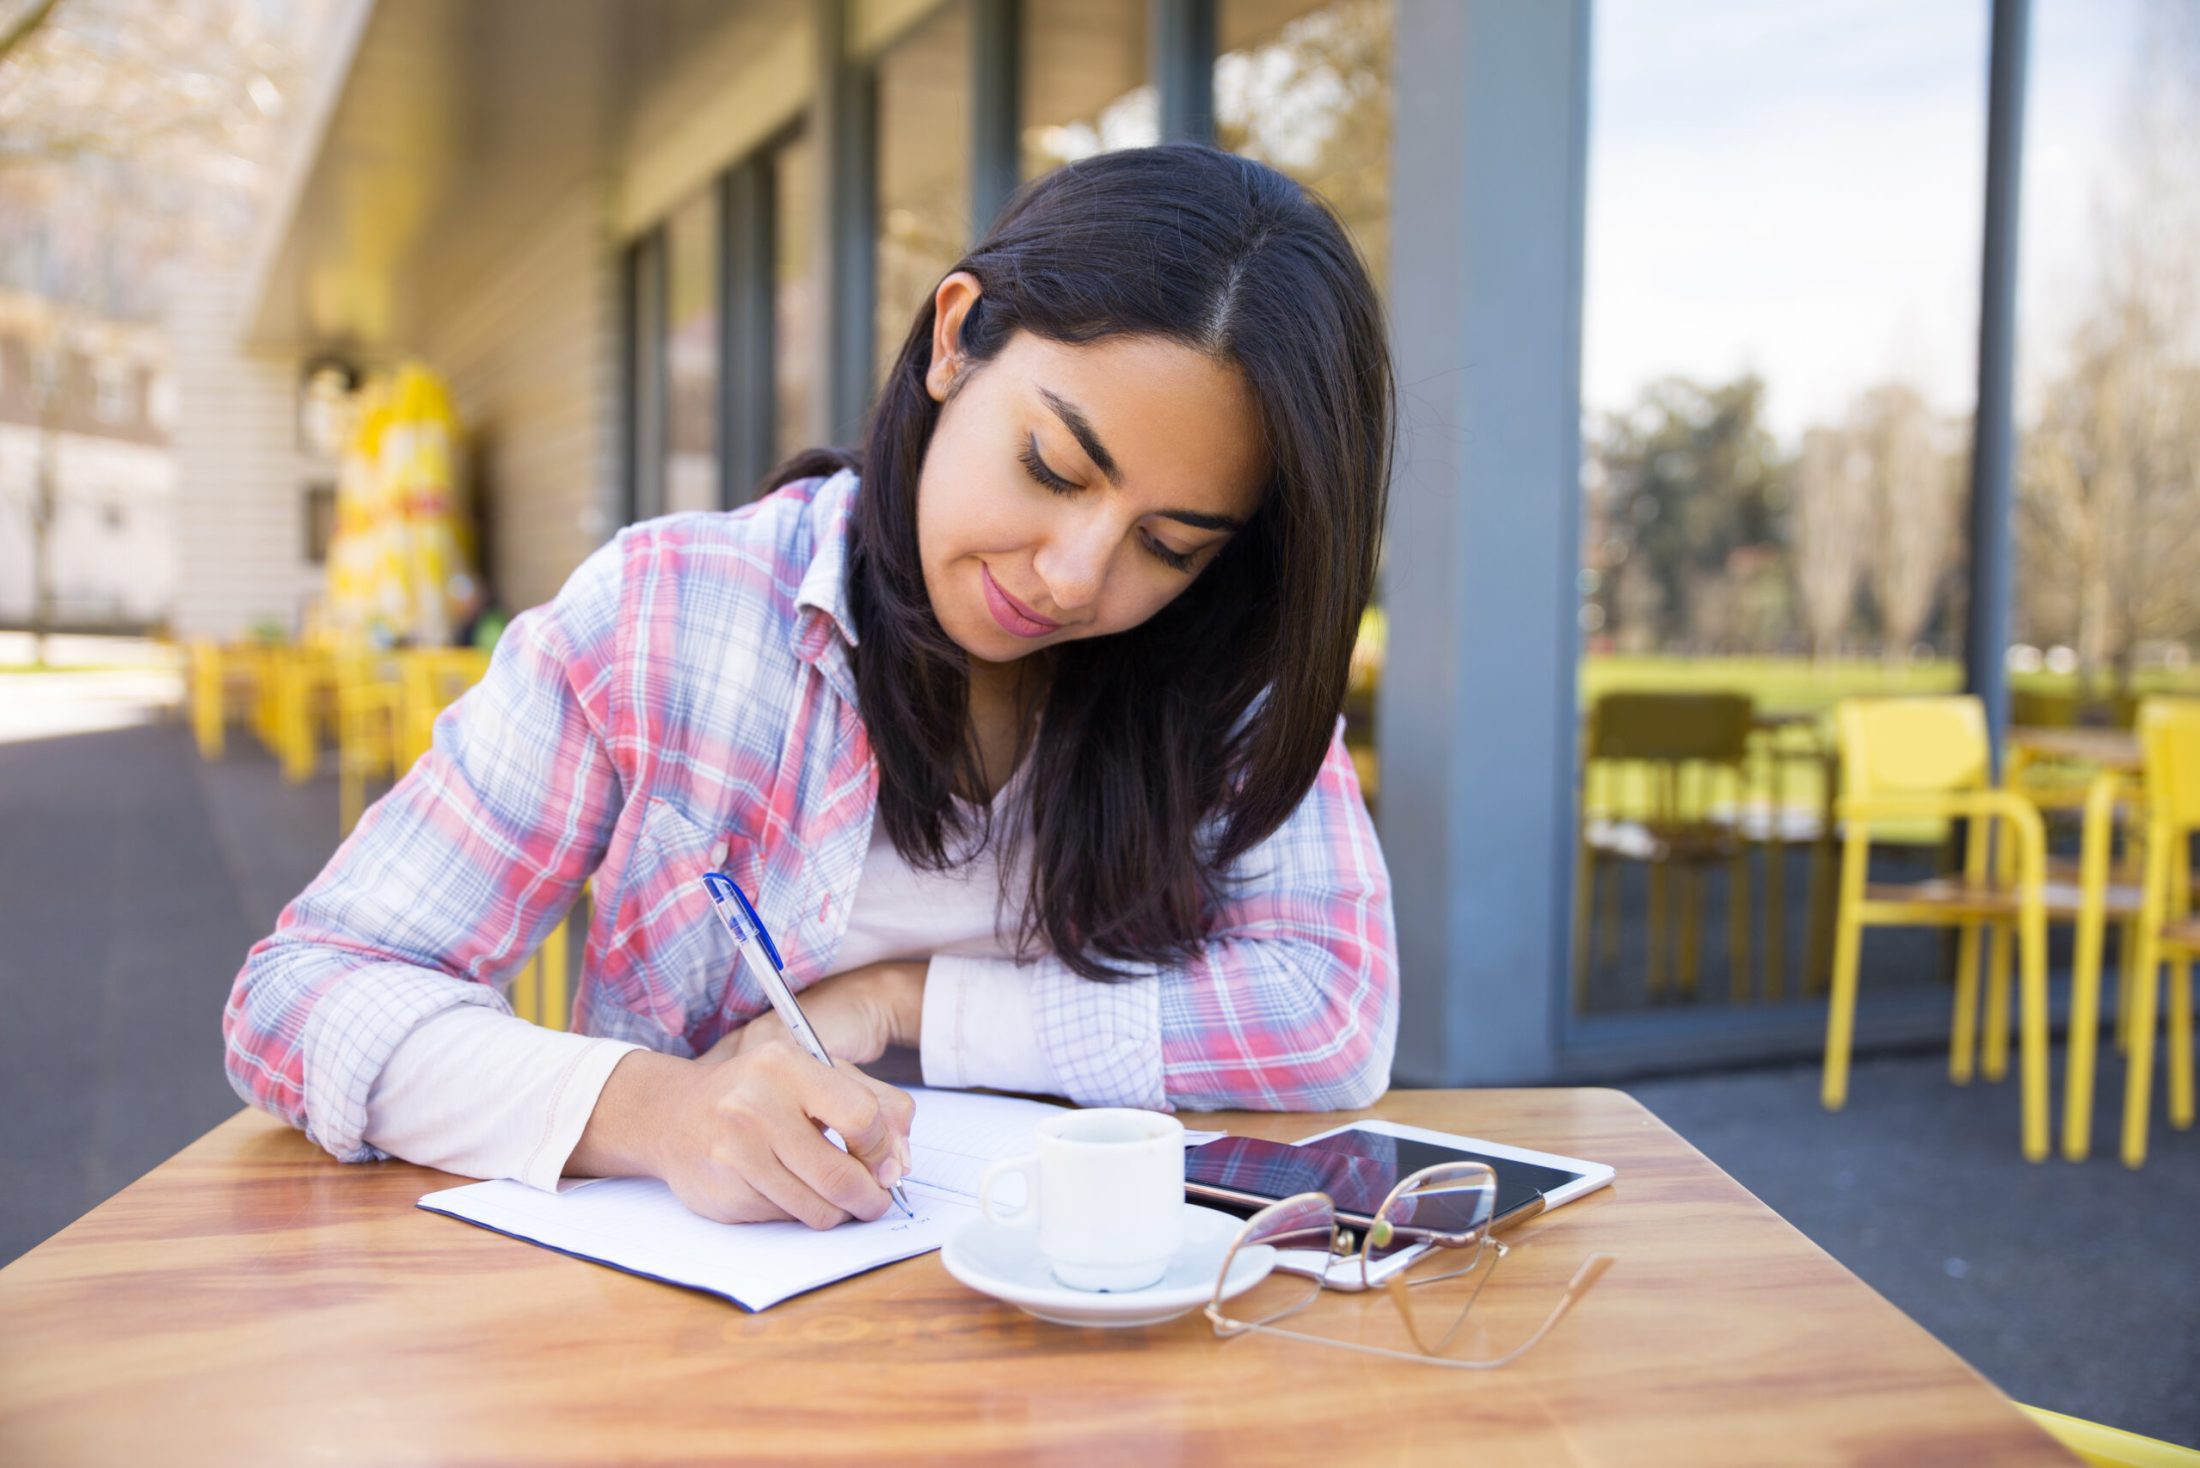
[
  {"x": 857, "y": 1014},
  {"x": 742, "y": 1141}
]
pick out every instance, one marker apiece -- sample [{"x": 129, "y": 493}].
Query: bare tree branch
[{"x": 24, "y": 26}]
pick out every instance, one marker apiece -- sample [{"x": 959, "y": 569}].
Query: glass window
[
  {"x": 691, "y": 366},
  {"x": 1083, "y": 84},
  {"x": 1779, "y": 366},
  {"x": 1306, "y": 88},
  {"x": 2108, "y": 400},
  {"x": 794, "y": 299},
  {"x": 923, "y": 167}
]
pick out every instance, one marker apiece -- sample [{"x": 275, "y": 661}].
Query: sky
[{"x": 1798, "y": 189}]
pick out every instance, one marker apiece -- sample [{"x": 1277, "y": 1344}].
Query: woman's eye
[
  {"x": 1044, "y": 474},
  {"x": 1039, "y": 470},
  {"x": 1174, "y": 559}
]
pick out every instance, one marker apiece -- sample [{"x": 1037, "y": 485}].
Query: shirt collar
[{"x": 821, "y": 601}]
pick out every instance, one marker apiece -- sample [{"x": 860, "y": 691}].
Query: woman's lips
[{"x": 1012, "y": 614}]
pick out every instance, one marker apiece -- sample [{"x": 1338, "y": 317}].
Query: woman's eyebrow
[{"x": 1080, "y": 427}]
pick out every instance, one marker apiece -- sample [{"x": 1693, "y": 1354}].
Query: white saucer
[{"x": 1005, "y": 1263}]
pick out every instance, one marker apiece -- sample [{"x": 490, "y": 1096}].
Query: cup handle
[{"x": 1024, "y": 1217}]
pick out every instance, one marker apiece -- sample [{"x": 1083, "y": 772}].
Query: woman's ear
[{"x": 951, "y": 303}]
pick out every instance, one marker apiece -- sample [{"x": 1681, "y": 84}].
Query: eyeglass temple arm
[{"x": 1591, "y": 1270}]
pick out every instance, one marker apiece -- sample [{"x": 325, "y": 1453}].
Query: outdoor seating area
[
  {"x": 2087, "y": 833},
  {"x": 1385, "y": 730}
]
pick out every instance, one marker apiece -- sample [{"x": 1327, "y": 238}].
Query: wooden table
[
  {"x": 2109, "y": 749},
  {"x": 252, "y": 1301}
]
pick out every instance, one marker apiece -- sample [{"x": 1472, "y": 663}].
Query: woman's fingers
[
  {"x": 777, "y": 1184},
  {"x": 873, "y": 1119}
]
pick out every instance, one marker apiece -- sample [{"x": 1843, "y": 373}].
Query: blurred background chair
[
  {"x": 1903, "y": 759},
  {"x": 367, "y": 697},
  {"x": 1656, "y": 771},
  {"x": 2169, "y": 731},
  {"x": 430, "y": 680},
  {"x": 540, "y": 991},
  {"x": 1790, "y": 803}
]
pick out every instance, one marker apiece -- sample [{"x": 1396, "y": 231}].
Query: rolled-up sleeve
[
  {"x": 1292, "y": 1005},
  {"x": 449, "y": 882}
]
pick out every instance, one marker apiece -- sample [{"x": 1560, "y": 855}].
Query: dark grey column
[
  {"x": 1181, "y": 63},
  {"x": 1477, "y": 714},
  {"x": 747, "y": 401},
  {"x": 1993, "y": 445},
  {"x": 996, "y": 108},
  {"x": 844, "y": 114},
  {"x": 645, "y": 366}
]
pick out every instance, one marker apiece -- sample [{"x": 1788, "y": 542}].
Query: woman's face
[{"x": 1074, "y": 491}]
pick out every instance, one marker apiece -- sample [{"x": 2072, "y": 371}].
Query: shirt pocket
[{"x": 670, "y": 956}]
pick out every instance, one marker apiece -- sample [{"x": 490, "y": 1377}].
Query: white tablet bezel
[{"x": 1590, "y": 1175}]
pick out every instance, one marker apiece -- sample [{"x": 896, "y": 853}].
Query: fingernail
[{"x": 889, "y": 1172}]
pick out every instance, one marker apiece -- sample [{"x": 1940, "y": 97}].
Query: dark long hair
[{"x": 1165, "y": 752}]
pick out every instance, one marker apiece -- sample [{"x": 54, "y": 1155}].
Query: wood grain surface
[{"x": 254, "y": 1302}]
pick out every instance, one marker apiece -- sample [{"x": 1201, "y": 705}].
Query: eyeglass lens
[{"x": 1454, "y": 1200}]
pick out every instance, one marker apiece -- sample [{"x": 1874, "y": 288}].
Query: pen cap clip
[{"x": 740, "y": 914}]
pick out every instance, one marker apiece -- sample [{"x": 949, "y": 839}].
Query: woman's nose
[{"x": 1074, "y": 562}]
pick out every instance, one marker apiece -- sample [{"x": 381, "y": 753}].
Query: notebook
[{"x": 636, "y": 1224}]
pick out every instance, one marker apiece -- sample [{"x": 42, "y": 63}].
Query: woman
[{"x": 1026, "y": 744}]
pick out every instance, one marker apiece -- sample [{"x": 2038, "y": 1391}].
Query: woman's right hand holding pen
[{"x": 742, "y": 1140}]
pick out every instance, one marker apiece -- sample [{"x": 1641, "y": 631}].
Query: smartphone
[{"x": 1357, "y": 1167}]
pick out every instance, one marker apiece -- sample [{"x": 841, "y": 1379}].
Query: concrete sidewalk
[{"x": 133, "y": 876}]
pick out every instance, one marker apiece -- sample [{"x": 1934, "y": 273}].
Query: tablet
[
  {"x": 1523, "y": 1175},
  {"x": 1359, "y": 1163}
]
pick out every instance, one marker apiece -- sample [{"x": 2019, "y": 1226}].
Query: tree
[
  {"x": 2110, "y": 469},
  {"x": 134, "y": 140},
  {"x": 1829, "y": 526},
  {"x": 1692, "y": 484},
  {"x": 1913, "y": 471}
]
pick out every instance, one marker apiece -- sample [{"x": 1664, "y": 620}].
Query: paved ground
[{"x": 133, "y": 877}]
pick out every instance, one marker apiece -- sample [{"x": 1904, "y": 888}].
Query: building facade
[
  {"x": 86, "y": 411},
  {"x": 655, "y": 246}
]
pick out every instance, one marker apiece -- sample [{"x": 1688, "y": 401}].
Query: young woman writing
[{"x": 1025, "y": 740}]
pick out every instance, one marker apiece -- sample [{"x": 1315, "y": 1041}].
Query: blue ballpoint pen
[{"x": 741, "y": 919}]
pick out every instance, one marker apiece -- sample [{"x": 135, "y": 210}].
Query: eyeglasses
[{"x": 1447, "y": 1208}]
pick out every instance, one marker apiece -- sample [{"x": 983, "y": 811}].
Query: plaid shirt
[{"x": 687, "y": 702}]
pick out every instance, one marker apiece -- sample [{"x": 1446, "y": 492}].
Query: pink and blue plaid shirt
[{"x": 686, "y": 702}]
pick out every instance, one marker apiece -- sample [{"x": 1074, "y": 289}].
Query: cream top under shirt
[{"x": 482, "y": 1093}]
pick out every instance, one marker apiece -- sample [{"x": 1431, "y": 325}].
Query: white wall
[
  {"x": 112, "y": 550},
  {"x": 531, "y": 354},
  {"x": 240, "y": 481}
]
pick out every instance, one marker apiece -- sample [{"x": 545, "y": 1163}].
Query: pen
[{"x": 741, "y": 919}]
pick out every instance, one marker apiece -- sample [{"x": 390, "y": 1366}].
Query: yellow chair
[
  {"x": 1657, "y": 769},
  {"x": 1769, "y": 820},
  {"x": 431, "y": 679},
  {"x": 2169, "y": 732},
  {"x": 367, "y": 698},
  {"x": 299, "y": 679},
  {"x": 1907, "y": 759},
  {"x": 209, "y": 696},
  {"x": 540, "y": 989},
  {"x": 2110, "y": 1447}
]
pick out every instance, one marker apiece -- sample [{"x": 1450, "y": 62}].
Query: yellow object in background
[
  {"x": 1903, "y": 759},
  {"x": 401, "y": 562}
]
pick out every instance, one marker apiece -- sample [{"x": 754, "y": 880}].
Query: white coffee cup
[{"x": 1105, "y": 1194}]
